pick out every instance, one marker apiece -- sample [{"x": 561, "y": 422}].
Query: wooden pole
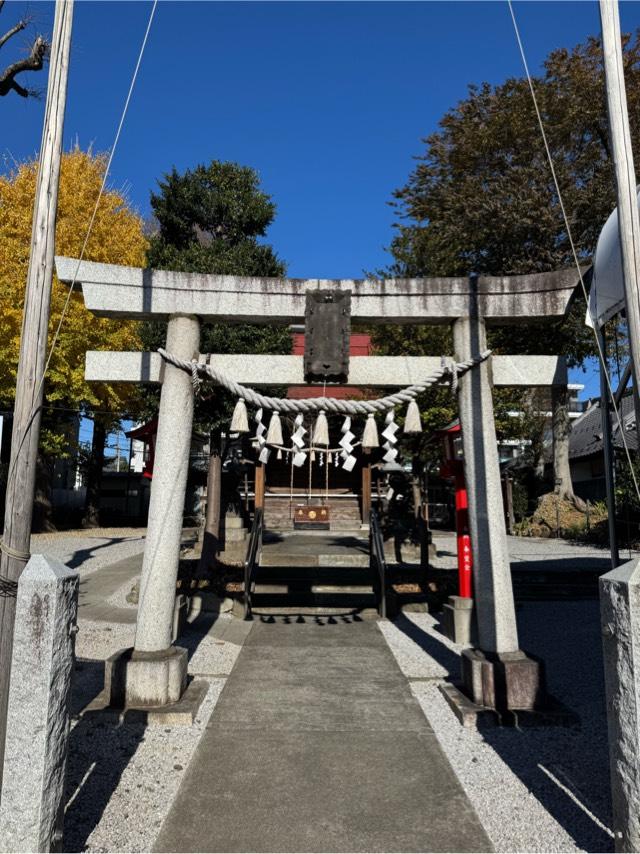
[
  {"x": 366, "y": 487},
  {"x": 33, "y": 351},
  {"x": 258, "y": 488},
  {"x": 211, "y": 535},
  {"x": 628, "y": 219}
]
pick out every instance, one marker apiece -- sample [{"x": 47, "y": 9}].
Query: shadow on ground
[
  {"x": 99, "y": 751},
  {"x": 565, "y": 768}
]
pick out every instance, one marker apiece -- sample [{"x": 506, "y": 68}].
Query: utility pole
[
  {"x": 33, "y": 353},
  {"x": 628, "y": 219}
]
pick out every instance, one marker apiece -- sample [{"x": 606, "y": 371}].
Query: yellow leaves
[{"x": 116, "y": 238}]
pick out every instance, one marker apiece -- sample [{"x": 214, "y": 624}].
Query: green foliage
[
  {"x": 482, "y": 198},
  {"x": 625, "y": 490},
  {"x": 210, "y": 219}
]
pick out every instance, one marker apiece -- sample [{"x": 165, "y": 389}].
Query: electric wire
[{"x": 601, "y": 354}]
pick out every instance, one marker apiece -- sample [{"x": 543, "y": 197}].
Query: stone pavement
[{"x": 317, "y": 744}]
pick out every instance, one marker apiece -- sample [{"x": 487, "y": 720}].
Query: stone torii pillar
[
  {"x": 154, "y": 673},
  {"x": 497, "y": 674}
]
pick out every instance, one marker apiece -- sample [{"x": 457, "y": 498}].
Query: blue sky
[{"x": 328, "y": 101}]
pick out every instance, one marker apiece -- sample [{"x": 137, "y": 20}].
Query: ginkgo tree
[{"x": 116, "y": 237}]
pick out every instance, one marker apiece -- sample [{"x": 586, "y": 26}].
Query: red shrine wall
[{"x": 359, "y": 345}]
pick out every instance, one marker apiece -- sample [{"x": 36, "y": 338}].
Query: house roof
[{"x": 586, "y": 431}]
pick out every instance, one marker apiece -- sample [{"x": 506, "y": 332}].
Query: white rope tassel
[
  {"x": 321, "y": 430},
  {"x": 412, "y": 423},
  {"x": 370, "y": 435},
  {"x": 274, "y": 433},
  {"x": 240, "y": 419}
]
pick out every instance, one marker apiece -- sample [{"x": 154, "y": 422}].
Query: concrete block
[
  {"x": 620, "y": 621},
  {"x": 235, "y": 535},
  {"x": 135, "y": 678},
  {"x": 32, "y": 805},
  {"x": 233, "y": 522},
  {"x": 457, "y": 618}
]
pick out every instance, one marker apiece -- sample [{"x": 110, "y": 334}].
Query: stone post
[
  {"x": 498, "y": 674},
  {"x": 32, "y": 804},
  {"x": 154, "y": 673},
  {"x": 620, "y": 619}
]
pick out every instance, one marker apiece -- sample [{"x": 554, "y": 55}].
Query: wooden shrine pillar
[
  {"x": 259, "y": 486},
  {"x": 366, "y": 486}
]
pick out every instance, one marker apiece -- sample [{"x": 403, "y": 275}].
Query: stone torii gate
[{"x": 497, "y": 674}]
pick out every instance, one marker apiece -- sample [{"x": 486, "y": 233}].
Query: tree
[
  {"x": 482, "y": 197},
  {"x": 34, "y": 61},
  {"x": 210, "y": 220},
  {"x": 116, "y": 237}
]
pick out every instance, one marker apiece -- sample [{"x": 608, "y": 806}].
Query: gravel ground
[
  {"x": 543, "y": 789},
  {"x": 534, "y": 552},
  {"x": 122, "y": 778},
  {"x": 88, "y": 551}
]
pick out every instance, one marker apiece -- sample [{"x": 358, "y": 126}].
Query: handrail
[
  {"x": 252, "y": 558},
  {"x": 377, "y": 559}
]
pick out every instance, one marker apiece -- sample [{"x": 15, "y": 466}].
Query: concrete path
[
  {"x": 96, "y": 589},
  {"x": 317, "y": 744}
]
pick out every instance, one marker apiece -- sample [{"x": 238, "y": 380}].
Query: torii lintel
[{"x": 111, "y": 290}]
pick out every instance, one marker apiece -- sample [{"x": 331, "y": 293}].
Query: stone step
[
  {"x": 294, "y": 611},
  {"x": 284, "y": 559},
  {"x": 353, "y": 601},
  {"x": 296, "y": 590}
]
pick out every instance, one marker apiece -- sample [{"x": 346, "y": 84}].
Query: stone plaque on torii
[{"x": 497, "y": 674}]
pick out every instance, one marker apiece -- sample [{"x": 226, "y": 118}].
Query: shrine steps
[{"x": 314, "y": 590}]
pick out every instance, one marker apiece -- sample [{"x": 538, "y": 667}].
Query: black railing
[
  {"x": 377, "y": 561},
  {"x": 252, "y": 559}
]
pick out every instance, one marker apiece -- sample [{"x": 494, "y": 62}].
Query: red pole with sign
[
  {"x": 454, "y": 467},
  {"x": 465, "y": 560}
]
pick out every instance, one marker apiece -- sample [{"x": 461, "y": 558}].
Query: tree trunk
[
  {"x": 42, "y": 507},
  {"x": 91, "y": 518},
  {"x": 561, "y": 424}
]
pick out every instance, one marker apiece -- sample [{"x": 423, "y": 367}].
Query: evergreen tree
[{"x": 210, "y": 220}]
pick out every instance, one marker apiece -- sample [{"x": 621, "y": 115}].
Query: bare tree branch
[
  {"x": 33, "y": 62},
  {"x": 1, "y": 5},
  {"x": 19, "y": 26}
]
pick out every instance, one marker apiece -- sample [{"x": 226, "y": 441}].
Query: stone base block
[
  {"x": 233, "y": 522},
  {"x": 457, "y": 620},
  {"x": 182, "y": 713},
  {"x": 503, "y": 681},
  {"x": 473, "y": 715},
  {"x": 135, "y": 678},
  {"x": 235, "y": 535}
]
